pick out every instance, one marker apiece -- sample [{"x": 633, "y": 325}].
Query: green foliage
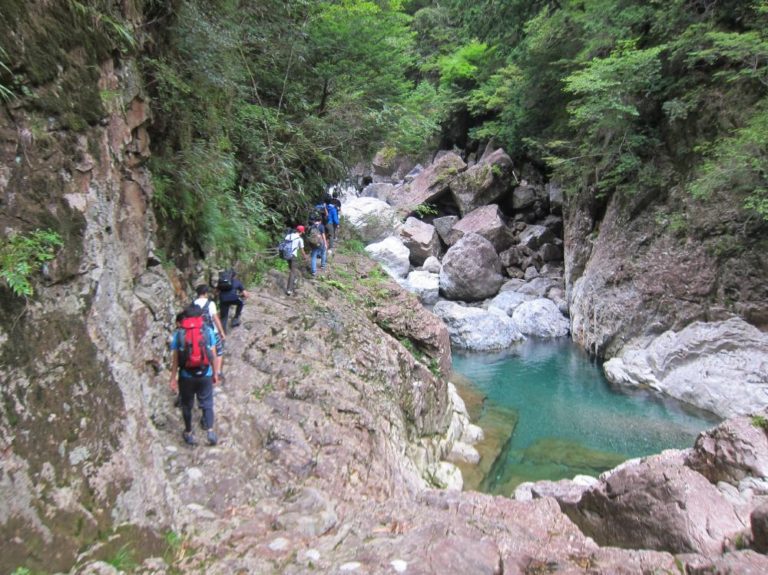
[
  {"x": 423, "y": 210},
  {"x": 760, "y": 422},
  {"x": 352, "y": 246},
  {"x": 100, "y": 16},
  {"x": 123, "y": 559},
  {"x": 465, "y": 65},
  {"x": 739, "y": 163},
  {"x": 22, "y": 255},
  {"x": 261, "y": 104}
]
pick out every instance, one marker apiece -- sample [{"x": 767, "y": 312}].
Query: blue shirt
[
  {"x": 333, "y": 214},
  {"x": 177, "y": 343}
]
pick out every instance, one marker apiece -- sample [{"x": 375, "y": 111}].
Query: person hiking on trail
[
  {"x": 297, "y": 246},
  {"x": 333, "y": 221},
  {"x": 322, "y": 210},
  {"x": 317, "y": 243},
  {"x": 231, "y": 293},
  {"x": 211, "y": 318},
  {"x": 192, "y": 374}
]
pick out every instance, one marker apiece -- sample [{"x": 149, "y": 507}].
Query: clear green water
[{"x": 570, "y": 420}]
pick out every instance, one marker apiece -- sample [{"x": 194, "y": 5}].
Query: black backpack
[{"x": 226, "y": 278}]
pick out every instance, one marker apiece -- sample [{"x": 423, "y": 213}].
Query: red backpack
[{"x": 194, "y": 349}]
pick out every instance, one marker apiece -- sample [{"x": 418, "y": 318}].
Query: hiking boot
[
  {"x": 212, "y": 438},
  {"x": 235, "y": 322},
  {"x": 288, "y": 292},
  {"x": 189, "y": 439}
]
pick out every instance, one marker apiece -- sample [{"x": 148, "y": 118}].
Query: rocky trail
[{"x": 328, "y": 426}]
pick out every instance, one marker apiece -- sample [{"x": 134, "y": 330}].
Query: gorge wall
[
  {"x": 648, "y": 265},
  {"x": 80, "y": 357}
]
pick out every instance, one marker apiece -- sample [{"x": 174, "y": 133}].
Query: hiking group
[
  {"x": 319, "y": 235},
  {"x": 197, "y": 350},
  {"x": 197, "y": 343}
]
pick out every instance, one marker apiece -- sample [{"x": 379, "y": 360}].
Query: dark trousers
[
  {"x": 202, "y": 388},
  {"x": 224, "y": 311},
  {"x": 293, "y": 274}
]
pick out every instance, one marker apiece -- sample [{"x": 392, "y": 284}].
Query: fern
[{"x": 22, "y": 255}]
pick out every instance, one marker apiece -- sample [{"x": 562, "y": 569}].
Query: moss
[{"x": 75, "y": 98}]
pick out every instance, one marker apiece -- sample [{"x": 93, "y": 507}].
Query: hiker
[
  {"x": 297, "y": 246},
  {"x": 231, "y": 293},
  {"x": 333, "y": 221},
  {"x": 192, "y": 374},
  {"x": 211, "y": 318},
  {"x": 318, "y": 243},
  {"x": 321, "y": 210}
]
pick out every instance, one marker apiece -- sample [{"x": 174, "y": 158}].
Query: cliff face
[
  {"x": 80, "y": 356},
  {"x": 647, "y": 265}
]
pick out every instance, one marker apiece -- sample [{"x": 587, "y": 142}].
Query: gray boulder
[
  {"x": 539, "y": 286},
  {"x": 429, "y": 183},
  {"x": 541, "y": 318},
  {"x": 508, "y": 301},
  {"x": 719, "y": 366},
  {"x": 488, "y": 221},
  {"x": 425, "y": 285},
  {"x": 444, "y": 226},
  {"x": 393, "y": 256},
  {"x": 380, "y": 191},
  {"x": 483, "y": 183},
  {"x": 371, "y": 219},
  {"x": 471, "y": 270},
  {"x": 432, "y": 265},
  {"x": 534, "y": 237},
  {"x": 477, "y": 329},
  {"x": 421, "y": 240},
  {"x": 523, "y": 197}
]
